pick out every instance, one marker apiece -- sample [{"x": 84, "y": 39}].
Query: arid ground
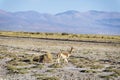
[{"x": 89, "y": 60}]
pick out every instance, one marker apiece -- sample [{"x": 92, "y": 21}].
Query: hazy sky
[{"x": 56, "y": 6}]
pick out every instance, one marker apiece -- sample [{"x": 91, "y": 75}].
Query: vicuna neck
[{"x": 70, "y": 50}]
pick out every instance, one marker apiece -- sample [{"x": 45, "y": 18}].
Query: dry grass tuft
[
  {"x": 56, "y": 65},
  {"x": 13, "y": 69},
  {"x": 46, "y": 58}
]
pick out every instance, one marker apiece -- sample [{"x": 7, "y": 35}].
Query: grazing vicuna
[{"x": 64, "y": 55}]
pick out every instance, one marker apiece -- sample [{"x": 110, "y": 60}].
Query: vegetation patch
[
  {"x": 1, "y": 57},
  {"x": 44, "y": 77},
  {"x": 46, "y": 58},
  {"x": 13, "y": 69},
  {"x": 67, "y": 36},
  {"x": 111, "y": 76},
  {"x": 88, "y": 71},
  {"x": 56, "y": 65},
  {"x": 106, "y": 77},
  {"x": 36, "y": 58},
  {"x": 47, "y": 78},
  {"x": 96, "y": 66},
  {"x": 116, "y": 72},
  {"x": 40, "y": 66},
  {"x": 74, "y": 60},
  {"x": 17, "y": 63},
  {"x": 50, "y": 70}
]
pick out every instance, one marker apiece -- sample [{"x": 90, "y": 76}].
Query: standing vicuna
[{"x": 64, "y": 55}]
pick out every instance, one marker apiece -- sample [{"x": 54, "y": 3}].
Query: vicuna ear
[
  {"x": 72, "y": 47},
  {"x": 61, "y": 50}
]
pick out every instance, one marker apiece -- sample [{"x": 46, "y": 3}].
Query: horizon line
[{"x": 58, "y": 12}]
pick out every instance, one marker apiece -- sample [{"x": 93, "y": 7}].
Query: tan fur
[{"x": 64, "y": 55}]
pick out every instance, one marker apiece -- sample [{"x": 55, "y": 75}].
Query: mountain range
[{"x": 89, "y": 22}]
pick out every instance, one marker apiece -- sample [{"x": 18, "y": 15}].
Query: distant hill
[{"x": 90, "y": 22}]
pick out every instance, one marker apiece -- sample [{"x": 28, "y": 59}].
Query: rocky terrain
[{"x": 89, "y": 60}]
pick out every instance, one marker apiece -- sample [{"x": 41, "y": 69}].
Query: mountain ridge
[{"x": 90, "y": 22}]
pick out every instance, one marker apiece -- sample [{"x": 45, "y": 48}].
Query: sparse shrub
[
  {"x": 107, "y": 70},
  {"x": 50, "y": 70},
  {"x": 110, "y": 67},
  {"x": 56, "y": 66},
  {"x": 88, "y": 71},
  {"x": 117, "y": 71},
  {"x": 111, "y": 76},
  {"x": 39, "y": 66},
  {"x": 44, "y": 77},
  {"x": 74, "y": 60},
  {"x": 74, "y": 35},
  {"x": 64, "y": 34},
  {"x": 1, "y": 57},
  {"x": 37, "y": 32},
  {"x": 13, "y": 69},
  {"x": 87, "y": 36},
  {"x": 47, "y": 78},
  {"x": 85, "y": 71},
  {"x": 115, "y": 74},
  {"x": 106, "y": 77},
  {"x": 27, "y": 60},
  {"x": 22, "y": 70},
  {"x": 17, "y": 63},
  {"x": 87, "y": 51},
  {"x": 38, "y": 75},
  {"x": 46, "y": 58},
  {"x": 96, "y": 66},
  {"x": 36, "y": 58},
  {"x": 49, "y": 33},
  {"x": 31, "y": 33},
  {"x": 80, "y": 66}
]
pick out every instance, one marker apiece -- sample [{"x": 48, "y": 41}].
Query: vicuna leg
[
  {"x": 65, "y": 60},
  {"x": 58, "y": 60}
]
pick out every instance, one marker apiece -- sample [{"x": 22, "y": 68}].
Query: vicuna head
[{"x": 70, "y": 51}]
